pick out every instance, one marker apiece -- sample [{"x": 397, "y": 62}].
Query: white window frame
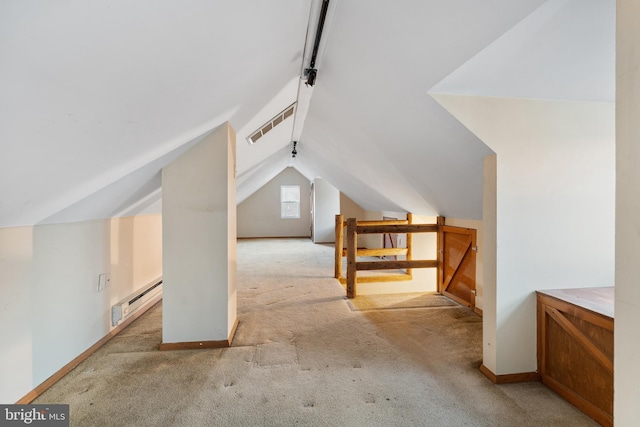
[{"x": 290, "y": 201}]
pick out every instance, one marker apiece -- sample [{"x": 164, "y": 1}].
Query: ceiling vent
[{"x": 279, "y": 118}]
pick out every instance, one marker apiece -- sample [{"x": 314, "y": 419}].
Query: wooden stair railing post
[
  {"x": 409, "y": 256},
  {"x": 352, "y": 247},
  {"x": 339, "y": 245},
  {"x": 440, "y": 256}
]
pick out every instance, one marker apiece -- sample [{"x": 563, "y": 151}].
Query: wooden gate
[{"x": 457, "y": 256}]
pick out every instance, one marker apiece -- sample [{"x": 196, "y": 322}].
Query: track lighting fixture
[
  {"x": 311, "y": 76},
  {"x": 294, "y": 151},
  {"x": 312, "y": 72}
]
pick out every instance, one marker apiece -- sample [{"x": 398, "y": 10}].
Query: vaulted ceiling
[{"x": 96, "y": 97}]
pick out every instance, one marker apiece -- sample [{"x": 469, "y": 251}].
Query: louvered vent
[{"x": 279, "y": 118}]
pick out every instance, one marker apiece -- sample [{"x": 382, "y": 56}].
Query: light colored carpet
[
  {"x": 399, "y": 302},
  {"x": 301, "y": 356}
]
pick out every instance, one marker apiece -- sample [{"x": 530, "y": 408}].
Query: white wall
[
  {"x": 259, "y": 215},
  {"x": 16, "y": 290},
  {"x": 199, "y": 233},
  {"x": 627, "y": 298},
  {"x": 489, "y": 274},
  {"x": 51, "y": 310},
  {"x": 375, "y": 240},
  {"x": 425, "y": 246},
  {"x": 350, "y": 209},
  {"x": 326, "y": 206},
  {"x": 136, "y": 253},
  {"x": 65, "y": 294},
  {"x": 554, "y": 212}
]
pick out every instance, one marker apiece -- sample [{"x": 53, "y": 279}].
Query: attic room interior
[{"x": 152, "y": 141}]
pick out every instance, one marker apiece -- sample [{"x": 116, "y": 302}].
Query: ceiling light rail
[{"x": 311, "y": 72}]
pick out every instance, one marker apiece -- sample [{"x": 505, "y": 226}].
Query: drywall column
[
  {"x": 627, "y": 299},
  {"x": 548, "y": 213},
  {"x": 490, "y": 228},
  {"x": 326, "y": 205},
  {"x": 199, "y": 244}
]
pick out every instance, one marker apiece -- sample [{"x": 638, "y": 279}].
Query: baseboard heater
[{"x": 133, "y": 302}]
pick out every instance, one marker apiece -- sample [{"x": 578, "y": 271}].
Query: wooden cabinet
[{"x": 575, "y": 347}]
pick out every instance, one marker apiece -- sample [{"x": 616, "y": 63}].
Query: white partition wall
[
  {"x": 199, "y": 244},
  {"x": 541, "y": 97},
  {"x": 627, "y": 299},
  {"x": 259, "y": 215},
  {"x": 326, "y": 205}
]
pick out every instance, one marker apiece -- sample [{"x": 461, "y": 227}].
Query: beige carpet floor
[{"x": 305, "y": 355}]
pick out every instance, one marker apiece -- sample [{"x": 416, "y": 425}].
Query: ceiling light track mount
[{"x": 311, "y": 72}]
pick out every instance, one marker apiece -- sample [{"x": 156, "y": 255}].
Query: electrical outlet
[{"x": 103, "y": 281}]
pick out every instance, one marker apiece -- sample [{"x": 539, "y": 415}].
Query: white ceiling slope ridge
[
  {"x": 364, "y": 175},
  {"x": 565, "y": 50},
  {"x": 373, "y": 130},
  {"x": 112, "y": 107},
  {"x": 255, "y": 178},
  {"x": 259, "y": 163},
  {"x": 305, "y": 92}
]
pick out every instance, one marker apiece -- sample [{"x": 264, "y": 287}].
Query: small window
[{"x": 290, "y": 201}]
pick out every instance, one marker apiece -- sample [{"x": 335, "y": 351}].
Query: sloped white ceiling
[
  {"x": 98, "y": 96},
  {"x": 94, "y": 91},
  {"x": 565, "y": 50},
  {"x": 573, "y": 46},
  {"x": 379, "y": 136}
]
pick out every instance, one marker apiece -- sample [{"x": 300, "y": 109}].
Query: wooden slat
[
  {"x": 599, "y": 300},
  {"x": 384, "y": 222},
  {"x": 378, "y": 251},
  {"x": 395, "y": 265},
  {"x": 409, "y": 238},
  {"x": 406, "y": 228},
  {"x": 380, "y": 278},
  {"x": 578, "y": 401},
  {"x": 447, "y": 281},
  {"x": 574, "y": 310},
  {"x": 440, "y": 248},
  {"x": 382, "y": 251},
  {"x": 581, "y": 339},
  {"x": 457, "y": 299},
  {"x": 541, "y": 318},
  {"x": 338, "y": 246},
  {"x": 193, "y": 345},
  {"x": 352, "y": 244},
  {"x": 509, "y": 378},
  {"x": 567, "y": 359}
]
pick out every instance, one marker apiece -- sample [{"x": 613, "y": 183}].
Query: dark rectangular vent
[
  {"x": 279, "y": 118},
  {"x": 288, "y": 112}
]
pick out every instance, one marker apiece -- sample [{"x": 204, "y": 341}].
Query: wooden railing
[
  {"x": 377, "y": 227},
  {"x": 341, "y": 252}
]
